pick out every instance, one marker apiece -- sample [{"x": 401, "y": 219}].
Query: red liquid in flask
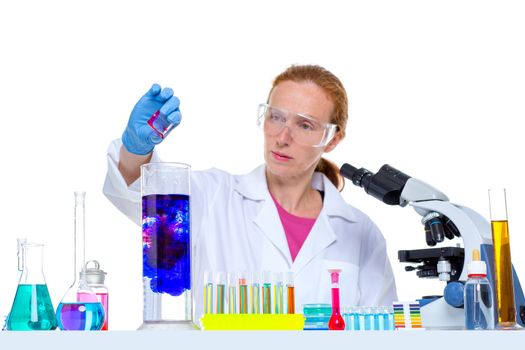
[{"x": 336, "y": 322}]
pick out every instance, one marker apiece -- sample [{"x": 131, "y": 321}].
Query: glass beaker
[
  {"x": 503, "y": 285},
  {"x": 166, "y": 245},
  {"x": 80, "y": 309},
  {"x": 160, "y": 124},
  {"x": 32, "y": 309}
]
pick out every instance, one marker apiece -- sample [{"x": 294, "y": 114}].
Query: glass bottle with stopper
[{"x": 95, "y": 277}]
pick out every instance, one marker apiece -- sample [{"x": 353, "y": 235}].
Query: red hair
[{"x": 335, "y": 90}]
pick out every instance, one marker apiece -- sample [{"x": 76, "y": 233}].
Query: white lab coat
[{"x": 236, "y": 227}]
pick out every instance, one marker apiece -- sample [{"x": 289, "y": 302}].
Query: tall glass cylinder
[
  {"x": 504, "y": 289},
  {"x": 166, "y": 245}
]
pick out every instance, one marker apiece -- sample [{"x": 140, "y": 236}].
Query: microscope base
[{"x": 439, "y": 315}]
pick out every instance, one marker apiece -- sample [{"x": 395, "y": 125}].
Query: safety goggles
[{"x": 304, "y": 129}]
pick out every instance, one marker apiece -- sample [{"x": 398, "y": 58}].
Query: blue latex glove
[{"x": 139, "y": 138}]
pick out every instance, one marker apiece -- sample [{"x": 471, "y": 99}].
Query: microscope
[{"x": 441, "y": 219}]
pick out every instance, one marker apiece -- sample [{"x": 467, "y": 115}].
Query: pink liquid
[
  {"x": 336, "y": 322},
  {"x": 103, "y": 299},
  {"x": 160, "y": 123}
]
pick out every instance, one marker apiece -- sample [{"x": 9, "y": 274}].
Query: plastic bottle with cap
[
  {"x": 478, "y": 299},
  {"x": 94, "y": 276}
]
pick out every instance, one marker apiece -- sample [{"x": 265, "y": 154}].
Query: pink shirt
[{"x": 296, "y": 229}]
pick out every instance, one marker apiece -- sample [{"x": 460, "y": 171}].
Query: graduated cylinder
[
  {"x": 504, "y": 288},
  {"x": 166, "y": 242}
]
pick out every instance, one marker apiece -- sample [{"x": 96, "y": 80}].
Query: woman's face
[{"x": 283, "y": 156}]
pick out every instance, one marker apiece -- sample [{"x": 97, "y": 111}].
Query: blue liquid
[
  {"x": 354, "y": 320},
  {"x": 391, "y": 323},
  {"x": 386, "y": 321},
  {"x": 32, "y": 309},
  {"x": 369, "y": 321},
  {"x": 166, "y": 242},
  {"x": 378, "y": 322},
  {"x": 80, "y": 316}
]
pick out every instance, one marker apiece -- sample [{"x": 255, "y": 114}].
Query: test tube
[
  {"x": 267, "y": 293},
  {"x": 221, "y": 292},
  {"x": 290, "y": 300},
  {"x": 255, "y": 293},
  {"x": 345, "y": 314},
  {"x": 361, "y": 318},
  {"x": 379, "y": 322},
  {"x": 243, "y": 292},
  {"x": 232, "y": 293},
  {"x": 352, "y": 318},
  {"x": 369, "y": 319},
  {"x": 278, "y": 293},
  {"x": 391, "y": 323},
  {"x": 208, "y": 293}
]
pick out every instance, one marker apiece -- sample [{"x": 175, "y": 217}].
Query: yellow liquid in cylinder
[{"x": 503, "y": 274}]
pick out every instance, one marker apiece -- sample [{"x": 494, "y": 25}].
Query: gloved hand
[{"x": 139, "y": 138}]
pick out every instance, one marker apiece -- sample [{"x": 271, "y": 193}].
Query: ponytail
[{"x": 332, "y": 173}]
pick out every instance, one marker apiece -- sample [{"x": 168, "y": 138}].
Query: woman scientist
[{"x": 287, "y": 214}]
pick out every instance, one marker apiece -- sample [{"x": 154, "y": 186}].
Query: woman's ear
[{"x": 333, "y": 143}]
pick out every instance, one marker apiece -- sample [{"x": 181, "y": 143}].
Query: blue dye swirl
[{"x": 166, "y": 242}]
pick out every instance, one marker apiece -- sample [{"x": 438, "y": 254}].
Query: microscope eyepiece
[
  {"x": 386, "y": 185},
  {"x": 355, "y": 175}
]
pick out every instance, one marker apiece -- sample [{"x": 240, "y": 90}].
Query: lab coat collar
[{"x": 254, "y": 186}]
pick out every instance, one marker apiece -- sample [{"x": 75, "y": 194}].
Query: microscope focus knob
[{"x": 453, "y": 294}]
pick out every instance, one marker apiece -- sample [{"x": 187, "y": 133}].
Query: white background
[{"x": 436, "y": 90}]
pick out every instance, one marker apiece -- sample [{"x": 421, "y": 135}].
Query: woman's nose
[{"x": 285, "y": 135}]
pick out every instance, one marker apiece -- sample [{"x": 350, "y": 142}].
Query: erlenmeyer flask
[
  {"x": 32, "y": 309},
  {"x": 80, "y": 309}
]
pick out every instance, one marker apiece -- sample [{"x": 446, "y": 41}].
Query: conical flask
[
  {"x": 79, "y": 309},
  {"x": 32, "y": 309}
]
